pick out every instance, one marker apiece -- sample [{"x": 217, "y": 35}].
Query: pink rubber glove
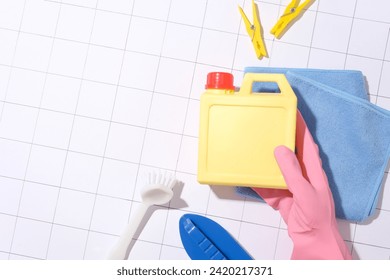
[{"x": 307, "y": 206}]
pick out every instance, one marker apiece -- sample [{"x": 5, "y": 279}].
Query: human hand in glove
[{"x": 307, "y": 206}]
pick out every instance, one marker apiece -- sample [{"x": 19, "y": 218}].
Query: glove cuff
[{"x": 317, "y": 244}]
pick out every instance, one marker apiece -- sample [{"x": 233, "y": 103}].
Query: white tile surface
[
  {"x": 109, "y": 90},
  {"x": 68, "y": 58},
  {"x": 7, "y": 223},
  {"x": 217, "y": 48},
  {"x": 75, "y": 23},
  {"x": 174, "y": 77},
  {"x": 18, "y": 122},
  {"x": 10, "y": 192},
  {"x": 387, "y": 55},
  {"x": 332, "y": 32},
  {"x": 223, "y": 15},
  {"x": 7, "y": 49},
  {"x": 82, "y": 3},
  {"x": 33, "y": 51},
  {"x": 132, "y": 106},
  {"x": 173, "y": 253},
  {"x": 111, "y": 35},
  {"x": 188, "y": 155},
  {"x": 376, "y": 232},
  {"x": 38, "y": 202},
  {"x": 60, "y": 93},
  {"x": 89, "y": 136},
  {"x": 74, "y": 209},
  {"x": 365, "y": 42},
  {"x": 191, "y": 126},
  {"x": 40, "y": 17},
  {"x": 11, "y": 14},
  {"x": 160, "y": 9},
  {"x": 259, "y": 241},
  {"x": 98, "y": 246},
  {"x": 139, "y": 39},
  {"x": 119, "y": 139},
  {"x": 139, "y": 71},
  {"x": 103, "y": 64},
  {"x": 81, "y": 172},
  {"x": 384, "y": 87},
  {"x": 25, "y": 87},
  {"x": 342, "y": 8},
  {"x": 120, "y": 6},
  {"x": 285, "y": 55},
  {"x": 145, "y": 251},
  {"x": 323, "y": 59},
  {"x": 4, "y": 76},
  {"x": 377, "y": 12},
  {"x": 34, "y": 243},
  {"x": 284, "y": 246},
  {"x": 53, "y": 129},
  {"x": 367, "y": 252},
  {"x": 14, "y": 158},
  {"x": 45, "y": 165},
  {"x": 260, "y": 213},
  {"x": 181, "y": 42},
  {"x": 192, "y": 196},
  {"x": 66, "y": 243},
  {"x": 167, "y": 113},
  {"x": 172, "y": 234},
  {"x": 164, "y": 144},
  {"x": 117, "y": 179},
  {"x": 383, "y": 102},
  {"x": 370, "y": 67},
  {"x": 153, "y": 230},
  {"x": 96, "y": 100},
  {"x": 384, "y": 202},
  {"x": 110, "y": 215},
  {"x": 187, "y": 12},
  {"x": 224, "y": 202}
]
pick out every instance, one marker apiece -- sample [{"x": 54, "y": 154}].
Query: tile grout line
[
  {"x": 1, "y": 115},
  {"x": 265, "y": 2},
  {"x": 185, "y": 118},
  {"x": 167, "y": 22},
  {"x": 350, "y": 35},
  {"x": 312, "y": 34},
  {"x": 108, "y": 134},
  {"x": 71, "y": 131},
  {"x": 146, "y": 127},
  {"x": 46, "y": 73},
  {"x": 383, "y": 65},
  {"x": 12, "y": 60}
]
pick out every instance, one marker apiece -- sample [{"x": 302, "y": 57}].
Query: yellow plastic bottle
[{"x": 239, "y": 131}]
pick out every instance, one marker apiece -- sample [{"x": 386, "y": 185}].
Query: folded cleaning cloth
[{"x": 353, "y": 134}]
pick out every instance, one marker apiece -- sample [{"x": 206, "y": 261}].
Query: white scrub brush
[{"x": 157, "y": 191}]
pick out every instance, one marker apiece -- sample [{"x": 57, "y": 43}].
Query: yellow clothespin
[
  {"x": 290, "y": 15},
  {"x": 254, "y": 31}
]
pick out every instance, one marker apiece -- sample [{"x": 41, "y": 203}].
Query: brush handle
[{"x": 120, "y": 249}]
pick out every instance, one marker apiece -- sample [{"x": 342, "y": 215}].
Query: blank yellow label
[{"x": 239, "y": 132}]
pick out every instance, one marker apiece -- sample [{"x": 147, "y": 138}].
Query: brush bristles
[{"x": 160, "y": 179}]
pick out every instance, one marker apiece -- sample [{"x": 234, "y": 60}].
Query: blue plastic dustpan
[{"x": 204, "y": 239}]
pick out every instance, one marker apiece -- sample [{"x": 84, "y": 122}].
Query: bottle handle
[{"x": 279, "y": 79}]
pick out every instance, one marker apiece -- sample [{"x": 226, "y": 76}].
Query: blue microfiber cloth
[{"x": 353, "y": 135}]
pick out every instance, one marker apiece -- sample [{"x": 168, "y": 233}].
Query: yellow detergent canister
[{"x": 239, "y": 131}]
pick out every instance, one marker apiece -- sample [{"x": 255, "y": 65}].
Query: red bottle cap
[{"x": 219, "y": 80}]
